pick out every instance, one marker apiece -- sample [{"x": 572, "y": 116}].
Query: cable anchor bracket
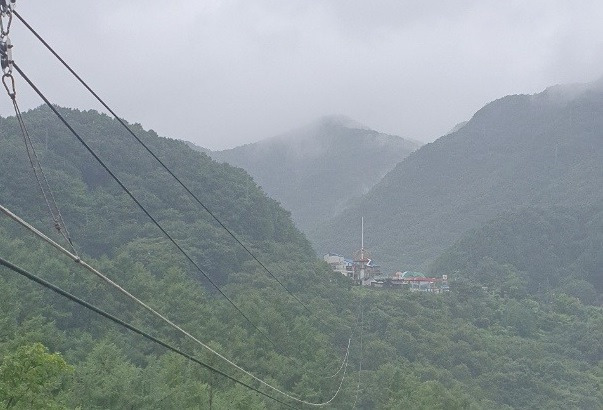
[
  {"x": 6, "y": 63},
  {"x": 7, "y": 7},
  {"x": 6, "y": 55}
]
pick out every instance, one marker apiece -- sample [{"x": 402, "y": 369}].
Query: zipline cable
[
  {"x": 134, "y": 329},
  {"x": 137, "y": 202},
  {"x": 102, "y": 102},
  {"x": 343, "y": 378},
  {"x": 337, "y": 372},
  {"x": 106, "y": 279}
]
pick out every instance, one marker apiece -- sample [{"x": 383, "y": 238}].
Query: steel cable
[{"x": 40, "y": 176}]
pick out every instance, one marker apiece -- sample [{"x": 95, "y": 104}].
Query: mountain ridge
[
  {"x": 519, "y": 150},
  {"x": 316, "y": 170}
]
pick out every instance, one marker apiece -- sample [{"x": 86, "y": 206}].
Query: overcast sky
[{"x": 222, "y": 73}]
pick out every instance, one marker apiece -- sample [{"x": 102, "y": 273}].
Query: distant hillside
[
  {"x": 538, "y": 150},
  {"x": 315, "y": 171},
  {"x": 548, "y": 249}
]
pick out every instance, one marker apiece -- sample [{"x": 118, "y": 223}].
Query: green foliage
[
  {"x": 465, "y": 349},
  {"x": 106, "y": 379},
  {"x": 532, "y": 251},
  {"x": 31, "y": 376}
]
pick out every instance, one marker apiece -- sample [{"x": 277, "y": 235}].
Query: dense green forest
[
  {"x": 538, "y": 151},
  {"x": 315, "y": 171},
  {"x": 487, "y": 344},
  {"x": 547, "y": 250}
]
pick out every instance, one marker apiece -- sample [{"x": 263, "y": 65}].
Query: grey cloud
[{"x": 227, "y": 72}]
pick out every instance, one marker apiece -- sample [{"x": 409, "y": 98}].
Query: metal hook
[
  {"x": 3, "y": 32},
  {"x": 6, "y": 10},
  {"x": 9, "y": 86}
]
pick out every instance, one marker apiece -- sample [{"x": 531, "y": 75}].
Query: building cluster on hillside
[
  {"x": 360, "y": 269},
  {"x": 363, "y": 271},
  {"x": 415, "y": 281}
]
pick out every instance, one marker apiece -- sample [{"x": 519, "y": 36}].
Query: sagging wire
[
  {"x": 6, "y": 64},
  {"x": 9, "y": 83}
]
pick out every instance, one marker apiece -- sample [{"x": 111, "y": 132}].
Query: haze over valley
[{"x": 315, "y": 171}]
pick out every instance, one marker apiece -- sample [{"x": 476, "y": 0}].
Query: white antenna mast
[{"x": 362, "y": 239}]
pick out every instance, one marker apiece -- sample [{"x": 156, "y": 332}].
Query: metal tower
[{"x": 361, "y": 259}]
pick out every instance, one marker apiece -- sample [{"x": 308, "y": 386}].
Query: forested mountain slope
[
  {"x": 538, "y": 150},
  {"x": 466, "y": 349},
  {"x": 111, "y": 364},
  {"x": 316, "y": 170},
  {"x": 539, "y": 250},
  {"x": 100, "y": 215}
]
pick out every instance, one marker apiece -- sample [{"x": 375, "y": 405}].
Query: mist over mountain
[
  {"x": 197, "y": 147},
  {"x": 541, "y": 150},
  {"x": 316, "y": 170},
  {"x": 457, "y": 127}
]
